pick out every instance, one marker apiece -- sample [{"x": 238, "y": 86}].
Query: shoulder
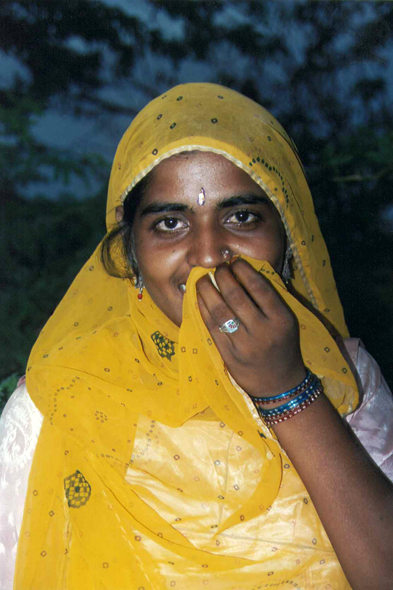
[
  {"x": 20, "y": 426},
  {"x": 368, "y": 375},
  {"x": 372, "y": 421}
]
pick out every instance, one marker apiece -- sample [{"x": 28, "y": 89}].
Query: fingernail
[{"x": 213, "y": 280}]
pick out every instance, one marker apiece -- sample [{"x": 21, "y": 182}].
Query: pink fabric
[
  {"x": 373, "y": 421},
  {"x": 21, "y": 422},
  {"x": 21, "y": 380}
]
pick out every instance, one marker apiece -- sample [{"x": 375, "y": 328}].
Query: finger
[
  {"x": 259, "y": 288},
  {"x": 218, "y": 310},
  {"x": 237, "y": 299},
  {"x": 221, "y": 340}
]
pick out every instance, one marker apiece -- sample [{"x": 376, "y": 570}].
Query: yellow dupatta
[{"x": 107, "y": 366}]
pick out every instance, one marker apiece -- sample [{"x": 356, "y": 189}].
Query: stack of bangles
[{"x": 299, "y": 398}]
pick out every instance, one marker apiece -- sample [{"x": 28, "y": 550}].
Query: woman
[{"x": 183, "y": 442}]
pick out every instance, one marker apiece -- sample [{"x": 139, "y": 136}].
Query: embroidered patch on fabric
[
  {"x": 165, "y": 347},
  {"x": 77, "y": 490}
]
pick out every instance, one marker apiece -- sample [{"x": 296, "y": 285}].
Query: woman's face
[{"x": 173, "y": 233}]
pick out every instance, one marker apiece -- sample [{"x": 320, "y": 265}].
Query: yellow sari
[{"x": 152, "y": 469}]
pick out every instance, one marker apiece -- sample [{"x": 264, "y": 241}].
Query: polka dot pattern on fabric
[{"x": 101, "y": 334}]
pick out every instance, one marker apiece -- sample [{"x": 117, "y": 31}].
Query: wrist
[
  {"x": 280, "y": 408},
  {"x": 275, "y": 384},
  {"x": 278, "y": 399}
]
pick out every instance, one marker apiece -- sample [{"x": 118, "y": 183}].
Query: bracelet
[
  {"x": 295, "y": 401},
  {"x": 308, "y": 393},
  {"x": 282, "y": 396},
  {"x": 277, "y": 420}
]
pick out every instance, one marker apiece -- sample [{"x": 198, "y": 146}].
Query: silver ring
[{"x": 230, "y": 326}]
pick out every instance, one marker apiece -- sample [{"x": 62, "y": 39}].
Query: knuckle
[
  {"x": 288, "y": 318},
  {"x": 220, "y": 311},
  {"x": 236, "y": 297},
  {"x": 287, "y": 326},
  {"x": 256, "y": 290}
]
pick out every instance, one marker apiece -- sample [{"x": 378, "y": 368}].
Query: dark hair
[{"x": 117, "y": 248}]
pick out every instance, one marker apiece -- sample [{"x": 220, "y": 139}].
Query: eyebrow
[
  {"x": 163, "y": 208},
  {"x": 243, "y": 200},
  {"x": 223, "y": 204}
]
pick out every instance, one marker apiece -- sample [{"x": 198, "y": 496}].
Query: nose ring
[{"x": 225, "y": 254}]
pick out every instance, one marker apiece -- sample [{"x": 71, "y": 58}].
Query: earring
[
  {"x": 286, "y": 273},
  {"x": 139, "y": 285},
  {"x": 225, "y": 254}
]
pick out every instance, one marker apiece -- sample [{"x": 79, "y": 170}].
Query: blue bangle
[
  {"x": 293, "y": 403},
  {"x": 272, "y": 420},
  {"x": 276, "y": 398}
]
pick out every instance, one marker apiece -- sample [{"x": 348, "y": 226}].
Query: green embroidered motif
[
  {"x": 77, "y": 490},
  {"x": 165, "y": 347}
]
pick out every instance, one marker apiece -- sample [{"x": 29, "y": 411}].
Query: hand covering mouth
[{"x": 183, "y": 288}]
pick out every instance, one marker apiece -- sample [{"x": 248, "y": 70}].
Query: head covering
[{"x": 107, "y": 365}]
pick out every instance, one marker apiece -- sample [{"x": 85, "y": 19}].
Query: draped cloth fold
[{"x": 124, "y": 491}]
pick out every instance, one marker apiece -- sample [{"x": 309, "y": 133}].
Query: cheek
[
  {"x": 277, "y": 240},
  {"x": 265, "y": 249},
  {"x": 268, "y": 245},
  {"x": 277, "y": 243},
  {"x": 156, "y": 262}
]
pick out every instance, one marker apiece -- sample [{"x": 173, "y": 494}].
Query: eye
[
  {"x": 169, "y": 224},
  {"x": 242, "y": 218}
]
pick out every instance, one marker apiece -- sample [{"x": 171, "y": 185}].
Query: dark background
[{"x": 75, "y": 72}]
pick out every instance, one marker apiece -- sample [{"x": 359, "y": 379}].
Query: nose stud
[{"x": 225, "y": 254}]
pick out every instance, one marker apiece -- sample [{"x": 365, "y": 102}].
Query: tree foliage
[{"x": 321, "y": 67}]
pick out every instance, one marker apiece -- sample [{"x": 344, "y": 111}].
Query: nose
[{"x": 207, "y": 248}]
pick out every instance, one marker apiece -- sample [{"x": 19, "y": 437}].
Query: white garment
[
  {"x": 21, "y": 422},
  {"x": 20, "y": 426}
]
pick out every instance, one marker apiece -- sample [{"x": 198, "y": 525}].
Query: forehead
[{"x": 190, "y": 171}]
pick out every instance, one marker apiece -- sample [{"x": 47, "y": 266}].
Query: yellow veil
[{"x": 107, "y": 366}]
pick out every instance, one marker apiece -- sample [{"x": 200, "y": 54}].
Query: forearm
[
  {"x": 353, "y": 498},
  {"x": 263, "y": 355}
]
